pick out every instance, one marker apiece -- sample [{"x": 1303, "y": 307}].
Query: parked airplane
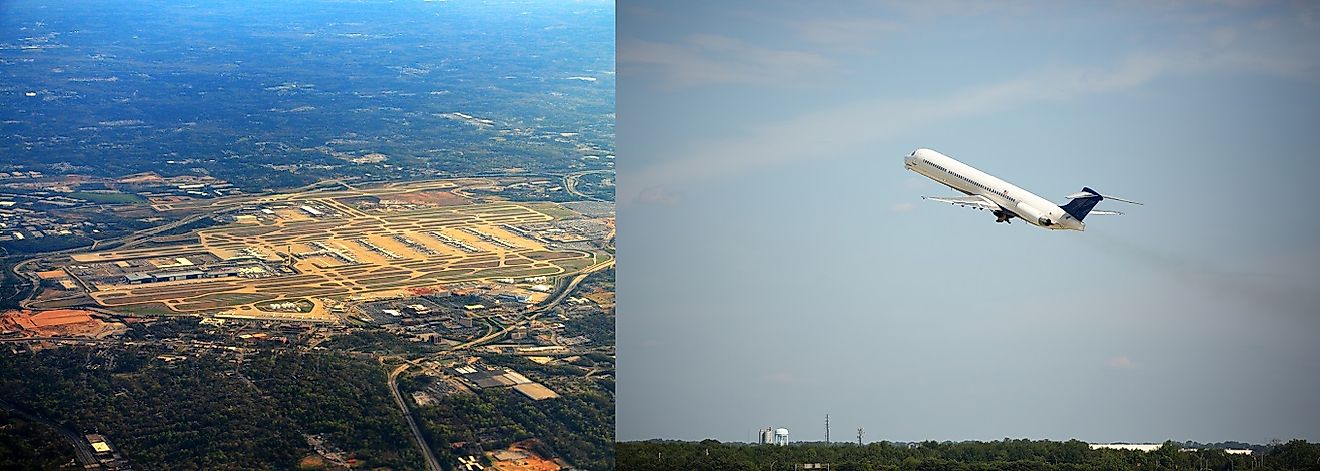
[{"x": 1006, "y": 201}]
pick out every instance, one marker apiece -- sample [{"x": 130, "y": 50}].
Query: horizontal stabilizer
[{"x": 1088, "y": 193}]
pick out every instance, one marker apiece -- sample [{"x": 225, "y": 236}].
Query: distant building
[
  {"x": 1148, "y": 447},
  {"x": 99, "y": 444},
  {"x": 106, "y": 454},
  {"x": 767, "y": 436},
  {"x": 535, "y": 391},
  {"x": 1126, "y": 446},
  {"x": 418, "y": 309}
]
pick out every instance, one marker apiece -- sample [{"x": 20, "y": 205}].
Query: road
[
  {"x": 81, "y": 449},
  {"x": 570, "y": 184},
  {"x": 431, "y": 463},
  {"x": 532, "y": 313},
  {"x": 539, "y": 309}
]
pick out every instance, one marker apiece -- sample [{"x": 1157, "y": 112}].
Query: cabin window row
[{"x": 976, "y": 184}]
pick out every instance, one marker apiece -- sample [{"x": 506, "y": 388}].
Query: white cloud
[
  {"x": 902, "y": 207},
  {"x": 658, "y": 194},
  {"x": 709, "y": 59},
  {"x": 824, "y": 133},
  {"x": 848, "y": 32},
  {"x": 1121, "y": 362},
  {"x": 786, "y": 378},
  {"x": 832, "y": 131}
]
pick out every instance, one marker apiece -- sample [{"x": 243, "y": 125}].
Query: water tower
[{"x": 781, "y": 436}]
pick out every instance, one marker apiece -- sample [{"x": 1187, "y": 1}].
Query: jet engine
[{"x": 1040, "y": 217}]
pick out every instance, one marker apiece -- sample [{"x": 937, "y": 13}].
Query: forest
[
  {"x": 1007, "y": 454},
  {"x": 205, "y": 410}
]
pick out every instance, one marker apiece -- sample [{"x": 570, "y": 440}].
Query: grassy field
[
  {"x": 551, "y": 209},
  {"x": 149, "y": 309},
  {"x": 107, "y": 198},
  {"x": 574, "y": 264}
]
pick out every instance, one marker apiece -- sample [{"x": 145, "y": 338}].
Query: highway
[
  {"x": 533, "y": 313},
  {"x": 431, "y": 463},
  {"x": 570, "y": 184},
  {"x": 81, "y": 449},
  {"x": 539, "y": 309}
]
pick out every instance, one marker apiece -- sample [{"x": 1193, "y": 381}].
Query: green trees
[
  {"x": 211, "y": 411},
  {"x": 185, "y": 415},
  {"x": 1296, "y": 454},
  {"x": 1023, "y": 455},
  {"x": 28, "y": 445}
]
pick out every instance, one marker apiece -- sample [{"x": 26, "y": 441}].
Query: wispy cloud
[
  {"x": 1121, "y": 363},
  {"x": 658, "y": 194},
  {"x": 710, "y": 59},
  {"x": 902, "y": 207},
  {"x": 847, "y": 32},
  {"x": 827, "y": 132},
  {"x": 832, "y": 131},
  {"x": 786, "y": 378}
]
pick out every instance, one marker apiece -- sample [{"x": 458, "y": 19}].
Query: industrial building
[
  {"x": 105, "y": 453},
  {"x": 483, "y": 377},
  {"x": 134, "y": 278},
  {"x": 535, "y": 391},
  {"x": 773, "y": 436}
]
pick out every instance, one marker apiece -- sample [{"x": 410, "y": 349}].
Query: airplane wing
[
  {"x": 1096, "y": 212},
  {"x": 973, "y": 201}
]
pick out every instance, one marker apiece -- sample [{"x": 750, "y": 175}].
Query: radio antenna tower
[
  {"x": 827, "y": 429},
  {"x": 859, "y": 436}
]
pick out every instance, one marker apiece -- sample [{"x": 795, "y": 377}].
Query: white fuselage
[{"x": 962, "y": 177}]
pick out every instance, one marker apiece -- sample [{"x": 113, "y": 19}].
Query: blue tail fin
[{"x": 1080, "y": 207}]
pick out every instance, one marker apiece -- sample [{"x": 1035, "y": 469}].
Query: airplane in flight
[{"x": 1005, "y": 200}]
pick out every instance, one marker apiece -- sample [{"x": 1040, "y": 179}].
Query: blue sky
[{"x": 777, "y": 263}]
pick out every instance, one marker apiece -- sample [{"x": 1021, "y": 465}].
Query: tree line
[{"x": 1025, "y": 455}]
